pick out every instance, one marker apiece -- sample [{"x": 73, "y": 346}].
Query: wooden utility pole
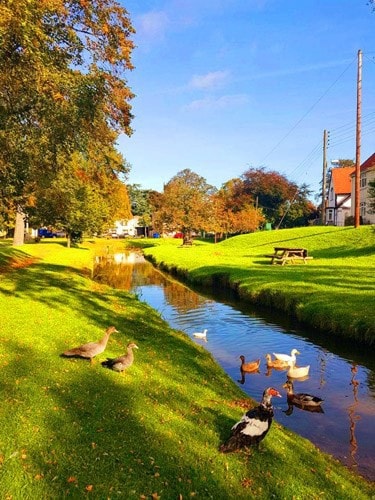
[
  {"x": 324, "y": 180},
  {"x": 358, "y": 144}
]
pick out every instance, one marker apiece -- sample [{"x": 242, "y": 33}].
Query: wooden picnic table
[{"x": 282, "y": 255}]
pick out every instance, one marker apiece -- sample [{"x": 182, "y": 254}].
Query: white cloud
[
  {"x": 153, "y": 24},
  {"x": 222, "y": 102},
  {"x": 209, "y": 80}
]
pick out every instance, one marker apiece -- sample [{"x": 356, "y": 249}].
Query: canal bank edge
[{"x": 272, "y": 299}]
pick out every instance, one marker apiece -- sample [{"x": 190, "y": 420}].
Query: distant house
[
  {"x": 367, "y": 175},
  {"x": 127, "y": 227},
  {"x": 339, "y": 197}
]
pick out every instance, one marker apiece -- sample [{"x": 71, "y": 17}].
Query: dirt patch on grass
[{"x": 17, "y": 263}]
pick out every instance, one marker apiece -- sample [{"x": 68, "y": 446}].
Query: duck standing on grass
[
  {"x": 122, "y": 362},
  {"x": 253, "y": 426},
  {"x": 91, "y": 349}
]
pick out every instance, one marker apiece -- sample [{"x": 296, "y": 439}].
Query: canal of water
[{"x": 342, "y": 374}]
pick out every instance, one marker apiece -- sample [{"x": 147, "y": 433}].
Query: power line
[{"x": 307, "y": 112}]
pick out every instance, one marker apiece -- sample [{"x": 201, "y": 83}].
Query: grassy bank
[
  {"x": 73, "y": 429},
  {"x": 334, "y": 292}
]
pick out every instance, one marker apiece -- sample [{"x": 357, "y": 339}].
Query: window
[
  {"x": 362, "y": 208},
  {"x": 363, "y": 180}
]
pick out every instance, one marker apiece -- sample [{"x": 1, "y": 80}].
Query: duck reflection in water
[{"x": 311, "y": 409}]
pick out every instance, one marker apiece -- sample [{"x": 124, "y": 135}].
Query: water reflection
[
  {"x": 345, "y": 429},
  {"x": 353, "y": 417}
]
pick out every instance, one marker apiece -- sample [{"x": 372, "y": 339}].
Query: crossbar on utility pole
[{"x": 358, "y": 144}]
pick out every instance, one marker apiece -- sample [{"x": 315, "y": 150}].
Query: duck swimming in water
[{"x": 300, "y": 399}]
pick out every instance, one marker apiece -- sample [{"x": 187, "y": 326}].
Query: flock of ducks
[
  {"x": 92, "y": 349},
  {"x": 286, "y": 362},
  {"x": 255, "y": 423},
  {"x": 280, "y": 362}
]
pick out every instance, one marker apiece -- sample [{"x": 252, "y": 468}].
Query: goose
[
  {"x": 201, "y": 335},
  {"x": 275, "y": 363},
  {"x": 253, "y": 426},
  {"x": 91, "y": 349},
  {"x": 300, "y": 399},
  {"x": 298, "y": 372},
  {"x": 251, "y": 366},
  {"x": 286, "y": 357},
  {"x": 122, "y": 362}
]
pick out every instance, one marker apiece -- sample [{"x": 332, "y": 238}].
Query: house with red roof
[
  {"x": 339, "y": 196},
  {"x": 367, "y": 174}
]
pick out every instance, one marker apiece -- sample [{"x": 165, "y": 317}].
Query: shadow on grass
[{"x": 74, "y": 428}]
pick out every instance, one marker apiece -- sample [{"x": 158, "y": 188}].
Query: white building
[{"x": 367, "y": 175}]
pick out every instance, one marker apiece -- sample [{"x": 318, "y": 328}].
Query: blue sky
[{"x": 225, "y": 85}]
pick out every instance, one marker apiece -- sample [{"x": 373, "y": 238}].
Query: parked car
[{"x": 44, "y": 232}]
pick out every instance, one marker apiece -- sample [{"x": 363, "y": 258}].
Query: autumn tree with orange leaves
[{"x": 63, "y": 91}]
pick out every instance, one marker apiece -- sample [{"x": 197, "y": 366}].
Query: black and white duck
[
  {"x": 122, "y": 362},
  {"x": 253, "y": 426}
]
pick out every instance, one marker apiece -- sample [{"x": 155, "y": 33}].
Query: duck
[
  {"x": 253, "y": 426},
  {"x": 286, "y": 357},
  {"x": 300, "y": 398},
  {"x": 201, "y": 335},
  {"x": 251, "y": 366},
  {"x": 91, "y": 349},
  {"x": 122, "y": 362},
  {"x": 275, "y": 363},
  {"x": 298, "y": 371}
]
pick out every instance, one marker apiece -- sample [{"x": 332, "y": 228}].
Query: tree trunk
[{"x": 19, "y": 230}]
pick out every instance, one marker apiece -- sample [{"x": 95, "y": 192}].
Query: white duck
[
  {"x": 201, "y": 335},
  {"x": 298, "y": 372},
  {"x": 285, "y": 357}
]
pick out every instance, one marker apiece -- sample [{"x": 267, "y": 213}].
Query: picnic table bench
[{"x": 283, "y": 255}]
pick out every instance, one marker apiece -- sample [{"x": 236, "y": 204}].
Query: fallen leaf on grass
[
  {"x": 72, "y": 479},
  {"x": 89, "y": 487},
  {"x": 246, "y": 483}
]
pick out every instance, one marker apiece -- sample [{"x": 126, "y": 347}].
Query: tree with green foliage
[
  {"x": 62, "y": 85},
  {"x": 85, "y": 195},
  {"x": 184, "y": 204}
]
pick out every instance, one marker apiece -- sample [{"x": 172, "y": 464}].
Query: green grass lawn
[
  {"x": 73, "y": 429},
  {"x": 335, "y": 291}
]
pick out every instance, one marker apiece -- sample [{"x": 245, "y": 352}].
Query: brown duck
[
  {"x": 278, "y": 364},
  {"x": 122, "y": 362},
  {"x": 251, "y": 366},
  {"x": 91, "y": 349}
]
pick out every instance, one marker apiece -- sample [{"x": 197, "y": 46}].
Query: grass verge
[{"x": 73, "y": 429}]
